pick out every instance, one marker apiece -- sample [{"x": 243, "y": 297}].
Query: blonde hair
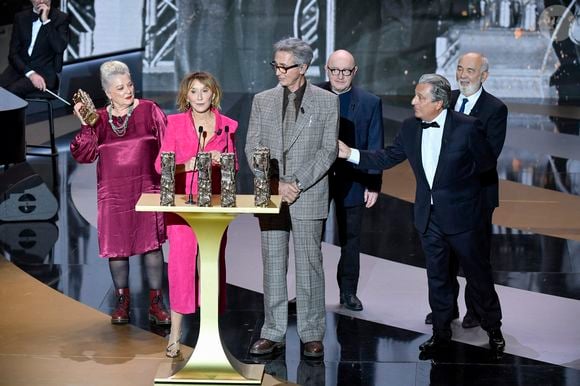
[
  {"x": 204, "y": 78},
  {"x": 110, "y": 69}
]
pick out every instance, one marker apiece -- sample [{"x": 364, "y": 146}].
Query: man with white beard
[{"x": 471, "y": 99}]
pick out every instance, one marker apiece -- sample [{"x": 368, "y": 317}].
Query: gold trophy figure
[{"x": 87, "y": 111}]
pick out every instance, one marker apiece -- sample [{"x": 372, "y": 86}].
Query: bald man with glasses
[{"x": 352, "y": 189}]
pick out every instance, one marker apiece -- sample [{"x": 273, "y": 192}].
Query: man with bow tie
[
  {"x": 473, "y": 100},
  {"x": 447, "y": 151},
  {"x": 39, "y": 37}
]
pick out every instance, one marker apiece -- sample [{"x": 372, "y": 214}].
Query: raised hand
[
  {"x": 43, "y": 10},
  {"x": 77, "y": 108}
]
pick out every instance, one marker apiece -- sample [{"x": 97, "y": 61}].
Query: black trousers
[
  {"x": 19, "y": 84},
  {"x": 349, "y": 220},
  {"x": 454, "y": 266},
  {"x": 471, "y": 249}
]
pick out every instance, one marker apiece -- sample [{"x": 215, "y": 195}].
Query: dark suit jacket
[
  {"x": 361, "y": 128},
  {"x": 492, "y": 113},
  {"x": 456, "y": 186},
  {"x": 52, "y": 39}
]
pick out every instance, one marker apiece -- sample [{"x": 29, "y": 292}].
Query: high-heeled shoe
[{"x": 173, "y": 349}]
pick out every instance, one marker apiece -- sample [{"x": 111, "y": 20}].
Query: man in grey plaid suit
[{"x": 298, "y": 122}]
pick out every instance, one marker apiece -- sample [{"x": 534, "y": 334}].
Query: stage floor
[{"x": 50, "y": 339}]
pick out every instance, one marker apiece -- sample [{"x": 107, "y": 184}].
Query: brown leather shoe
[
  {"x": 265, "y": 346},
  {"x": 313, "y": 349}
]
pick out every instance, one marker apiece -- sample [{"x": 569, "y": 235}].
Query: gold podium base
[
  {"x": 245, "y": 374},
  {"x": 211, "y": 363}
]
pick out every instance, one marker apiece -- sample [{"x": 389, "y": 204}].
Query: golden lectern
[{"x": 210, "y": 363}]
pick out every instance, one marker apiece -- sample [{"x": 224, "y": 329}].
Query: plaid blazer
[{"x": 311, "y": 150}]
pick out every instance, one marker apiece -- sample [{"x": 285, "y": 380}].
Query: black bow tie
[
  {"x": 426, "y": 125},
  {"x": 35, "y": 17}
]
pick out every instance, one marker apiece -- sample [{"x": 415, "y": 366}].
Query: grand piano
[{"x": 12, "y": 129}]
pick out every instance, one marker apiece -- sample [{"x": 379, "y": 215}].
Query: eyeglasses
[
  {"x": 282, "y": 69},
  {"x": 344, "y": 72}
]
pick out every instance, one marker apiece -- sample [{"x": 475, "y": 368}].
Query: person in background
[
  {"x": 198, "y": 101},
  {"x": 39, "y": 38},
  {"x": 124, "y": 142},
  {"x": 473, "y": 100},
  {"x": 447, "y": 151},
  {"x": 352, "y": 189}
]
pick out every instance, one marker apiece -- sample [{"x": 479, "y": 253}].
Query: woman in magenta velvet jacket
[{"x": 198, "y": 100}]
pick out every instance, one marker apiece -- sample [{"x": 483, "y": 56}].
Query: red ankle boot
[
  {"x": 121, "y": 313},
  {"x": 157, "y": 311}
]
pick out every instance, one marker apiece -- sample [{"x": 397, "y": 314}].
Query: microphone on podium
[
  {"x": 190, "y": 197},
  {"x": 227, "y": 130},
  {"x": 204, "y": 135}
]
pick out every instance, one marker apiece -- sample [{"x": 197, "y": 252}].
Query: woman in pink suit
[
  {"x": 124, "y": 143},
  {"x": 198, "y": 100}
]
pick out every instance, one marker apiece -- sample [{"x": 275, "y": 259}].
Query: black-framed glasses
[
  {"x": 282, "y": 69},
  {"x": 344, "y": 72}
]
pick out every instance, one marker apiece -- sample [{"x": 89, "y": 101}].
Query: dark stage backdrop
[{"x": 533, "y": 45}]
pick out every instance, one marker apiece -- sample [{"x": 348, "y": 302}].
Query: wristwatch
[{"x": 299, "y": 184}]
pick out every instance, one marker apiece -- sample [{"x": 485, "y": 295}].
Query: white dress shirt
[
  {"x": 471, "y": 101},
  {"x": 431, "y": 147},
  {"x": 35, "y": 29}
]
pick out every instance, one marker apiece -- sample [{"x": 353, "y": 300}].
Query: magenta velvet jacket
[{"x": 125, "y": 169}]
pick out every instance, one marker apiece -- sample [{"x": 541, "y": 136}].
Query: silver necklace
[{"x": 120, "y": 130}]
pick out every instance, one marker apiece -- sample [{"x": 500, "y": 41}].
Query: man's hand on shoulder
[{"x": 343, "y": 150}]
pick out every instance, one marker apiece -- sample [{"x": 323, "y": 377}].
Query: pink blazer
[{"x": 181, "y": 137}]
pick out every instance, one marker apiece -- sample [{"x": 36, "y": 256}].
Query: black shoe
[
  {"x": 496, "y": 340},
  {"x": 470, "y": 320},
  {"x": 435, "y": 343},
  {"x": 429, "y": 317},
  {"x": 351, "y": 302}
]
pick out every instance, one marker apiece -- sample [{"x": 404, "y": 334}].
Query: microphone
[
  {"x": 204, "y": 135},
  {"x": 190, "y": 197},
  {"x": 227, "y": 130}
]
